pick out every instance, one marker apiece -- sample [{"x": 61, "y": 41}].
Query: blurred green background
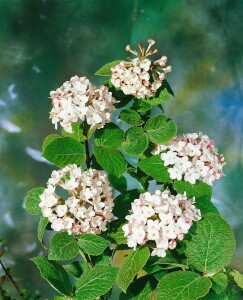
[{"x": 45, "y": 42}]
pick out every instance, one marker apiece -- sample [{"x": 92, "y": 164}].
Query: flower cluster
[
  {"x": 140, "y": 76},
  {"x": 79, "y": 99},
  {"x": 89, "y": 205},
  {"x": 192, "y": 156},
  {"x": 160, "y": 219}
]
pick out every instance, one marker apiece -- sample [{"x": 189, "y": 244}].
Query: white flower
[
  {"x": 139, "y": 76},
  {"x": 160, "y": 227},
  {"x": 89, "y": 205},
  {"x": 78, "y": 99},
  {"x": 191, "y": 157}
]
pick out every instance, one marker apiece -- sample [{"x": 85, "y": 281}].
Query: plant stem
[
  {"x": 86, "y": 142},
  {"x": 11, "y": 279},
  {"x": 87, "y": 260}
]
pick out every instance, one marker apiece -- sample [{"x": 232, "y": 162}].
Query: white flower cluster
[
  {"x": 192, "y": 156},
  {"x": 89, "y": 205},
  {"x": 140, "y": 77},
  {"x": 79, "y": 99},
  {"x": 159, "y": 220}
]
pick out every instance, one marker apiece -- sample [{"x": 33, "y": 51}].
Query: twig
[
  {"x": 11, "y": 279},
  {"x": 86, "y": 142}
]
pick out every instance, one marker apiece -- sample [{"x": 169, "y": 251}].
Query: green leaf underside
[
  {"x": 78, "y": 133},
  {"x": 160, "y": 129},
  {"x": 182, "y": 285},
  {"x": 131, "y": 117},
  {"x": 136, "y": 142},
  {"x": 76, "y": 268},
  {"x": 63, "y": 247},
  {"x": 64, "y": 151},
  {"x": 131, "y": 266},
  {"x": 116, "y": 233},
  {"x": 123, "y": 203},
  {"x": 219, "y": 282},
  {"x": 154, "y": 166},
  {"x": 106, "y": 69},
  {"x": 32, "y": 201},
  {"x": 120, "y": 184},
  {"x": 109, "y": 136},
  {"x": 55, "y": 274},
  {"x": 162, "y": 97},
  {"x": 140, "y": 289},
  {"x": 41, "y": 228},
  {"x": 213, "y": 246},
  {"x": 50, "y": 138},
  {"x": 92, "y": 244},
  {"x": 95, "y": 282},
  {"x": 202, "y": 193},
  {"x": 111, "y": 160},
  {"x": 238, "y": 277}
]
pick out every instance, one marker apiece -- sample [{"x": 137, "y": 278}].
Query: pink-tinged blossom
[
  {"x": 89, "y": 205},
  {"x": 77, "y": 100},
  {"x": 160, "y": 219},
  {"x": 191, "y": 157},
  {"x": 140, "y": 77}
]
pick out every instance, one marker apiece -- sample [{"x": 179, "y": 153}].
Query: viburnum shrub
[{"x": 163, "y": 240}]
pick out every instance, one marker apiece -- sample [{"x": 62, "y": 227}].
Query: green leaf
[
  {"x": 50, "y": 138},
  {"x": 136, "y": 141},
  {"x": 95, "y": 282},
  {"x": 106, "y": 69},
  {"x": 219, "y": 282},
  {"x": 131, "y": 266},
  {"x": 120, "y": 184},
  {"x": 213, "y": 245},
  {"x": 41, "y": 228},
  {"x": 213, "y": 296},
  {"x": 55, "y": 274},
  {"x": 109, "y": 136},
  {"x": 154, "y": 166},
  {"x": 32, "y": 201},
  {"x": 238, "y": 277},
  {"x": 160, "y": 129},
  {"x": 165, "y": 263},
  {"x": 141, "y": 106},
  {"x": 63, "y": 247},
  {"x": 111, "y": 160},
  {"x": 163, "y": 96},
  {"x": 123, "y": 203},
  {"x": 182, "y": 285},
  {"x": 202, "y": 193},
  {"x": 64, "y": 151},
  {"x": 116, "y": 234},
  {"x": 131, "y": 117},
  {"x": 140, "y": 289},
  {"x": 60, "y": 298},
  {"x": 76, "y": 268},
  {"x": 92, "y": 244},
  {"x": 78, "y": 132}
]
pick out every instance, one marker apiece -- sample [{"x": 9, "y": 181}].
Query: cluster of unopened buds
[
  {"x": 140, "y": 76},
  {"x": 192, "y": 157},
  {"x": 78, "y": 99},
  {"x": 89, "y": 205},
  {"x": 159, "y": 219}
]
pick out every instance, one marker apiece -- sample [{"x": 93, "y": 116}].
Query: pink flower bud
[
  {"x": 151, "y": 42},
  {"x": 128, "y": 48}
]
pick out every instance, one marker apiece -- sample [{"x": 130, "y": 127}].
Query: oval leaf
[
  {"x": 41, "y": 228},
  {"x": 55, "y": 274},
  {"x": 109, "y": 136},
  {"x": 92, "y": 244},
  {"x": 183, "y": 285},
  {"x": 120, "y": 184},
  {"x": 213, "y": 245},
  {"x": 136, "y": 142},
  {"x": 131, "y": 266},
  {"x": 106, "y": 69},
  {"x": 32, "y": 201},
  {"x": 50, "y": 138},
  {"x": 111, "y": 160},
  {"x": 78, "y": 132},
  {"x": 95, "y": 282},
  {"x": 160, "y": 129},
  {"x": 64, "y": 151},
  {"x": 163, "y": 96},
  {"x": 154, "y": 166},
  {"x": 63, "y": 247},
  {"x": 131, "y": 117}
]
